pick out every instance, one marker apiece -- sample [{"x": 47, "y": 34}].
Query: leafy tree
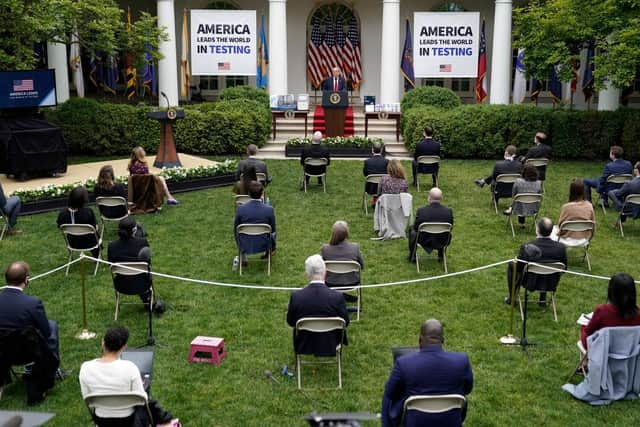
[
  {"x": 98, "y": 23},
  {"x": 553, "y": 32}
]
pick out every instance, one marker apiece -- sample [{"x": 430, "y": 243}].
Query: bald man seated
[
  {"x": 434, "y": 211},
  {"x": 429, "y": 371}
]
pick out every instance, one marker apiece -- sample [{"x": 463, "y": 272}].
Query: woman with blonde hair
[
  {"x": 138, "y": 166},
  {"x": 395, "y": 182}
]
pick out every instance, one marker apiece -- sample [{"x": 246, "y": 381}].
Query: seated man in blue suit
[
  {"x": 335, "y": 82},
  {"x": 618, "y": 196},
  {"x": 255, "y": 211},
  {"x": 18, "y": 311},
  {"x": 616, "y": 166},
  {"x": 429, "y": 371}
]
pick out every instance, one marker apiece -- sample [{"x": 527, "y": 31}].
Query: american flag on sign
[
  {"x": 445, "y": 68},
  {"x": 224, "y": 66},
  {"x": 22, "y": 85}
]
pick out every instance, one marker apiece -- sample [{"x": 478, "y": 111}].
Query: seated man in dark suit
[
  {"x": 539, "y": 150},
  {"x": 315, "y": 151},
  {"x": 375, "y": 165},
  {"x": 335, "y": 82},
  {"x": 429, "y": 371},
  {"x": 618, "y": 196},
  {"x": 251, "y": 160},
  {"x": 542, "y": 249},
  {"x": 316, "y": 300},
  {"x": 427, "y": 147},
  {"x": 255, "y": 211},
  {"x": 19, "y": 310},
  {"x": 617, "y": 166},
  {"x": 433, "y": 212},
  {"x": 506, "y": 166}
]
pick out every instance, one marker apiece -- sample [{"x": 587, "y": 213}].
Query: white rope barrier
[
  {"x": 39, "y": 276},
  {"x": 560, "y": 270}
]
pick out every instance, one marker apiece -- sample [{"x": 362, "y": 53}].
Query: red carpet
[{"x": 318, "y": 121}]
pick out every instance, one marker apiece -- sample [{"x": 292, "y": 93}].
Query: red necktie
[{"x": 335, "y": 85}]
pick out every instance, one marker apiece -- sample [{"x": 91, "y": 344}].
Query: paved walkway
[{"x": 84, "y": 171}]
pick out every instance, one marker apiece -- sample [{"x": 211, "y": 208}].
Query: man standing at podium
[{"x": 336, "y": 82}]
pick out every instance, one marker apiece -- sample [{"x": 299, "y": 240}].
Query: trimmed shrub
[
  {"x": 430, "y": 96},
  {"x": 95, "y": 127},
  {"x": 482, "y": 131},
  {"x": 246, "y": 92}
]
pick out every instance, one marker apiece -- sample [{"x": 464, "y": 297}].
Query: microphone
[
  {"x": 166, "y": 98},
  {"x": 268, "y": 374}
]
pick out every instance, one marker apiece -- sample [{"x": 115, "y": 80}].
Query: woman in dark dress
[
  {"x": 76, "y": 212},
  {"x": 107, "y": 187}
]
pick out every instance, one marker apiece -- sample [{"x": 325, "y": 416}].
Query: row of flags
[{"x": 334, "y": 48}]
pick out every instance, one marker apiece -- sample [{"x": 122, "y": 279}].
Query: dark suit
[
  {"x": 259, "y": 165},
  {"x": 503, "y": 167},
  {"x": 429, "y": 371},
  {"x": 81, "y": 216},
  {"x": 255, "y": 212},
  {"x": 616, "y": 167},
  {"x": 618, "y": 196},
  {"x": 374, "y": 165},
  {"x": 539, "y": 151},
  {"x": 315, "y": 151},
  {"x": 549, "y": 251},
  {"x": 133, "y": 249},
  {"x": 316, "y": 300},
  {"x": 19, "y": 310},
  {"x": 328, "y": 84},
  {"x": 10, "y": 206},
  {"x": 434, "y": 212},
  {"x": 426, "y": 147}
]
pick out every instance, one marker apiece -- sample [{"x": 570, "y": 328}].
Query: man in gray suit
[{"x": 251, "y": 160}]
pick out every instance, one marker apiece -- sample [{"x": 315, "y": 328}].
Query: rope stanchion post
[
  {"x": 84, "y": 334},
  {"x": 509, "y": 339}
]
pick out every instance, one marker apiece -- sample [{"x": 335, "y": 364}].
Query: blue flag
[
  {"x": 555, "y": 86},
  {"x": 587, "y": 80},
  {"x": 262, "y": 77},
  {"x": 149, "y": 82},
  {"x": 406, "y": 65}
]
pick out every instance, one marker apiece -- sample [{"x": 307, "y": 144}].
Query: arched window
[{"x": 334, "y": 41}]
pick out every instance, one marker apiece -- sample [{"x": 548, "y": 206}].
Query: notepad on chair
[{"x": 584, "y": 319}]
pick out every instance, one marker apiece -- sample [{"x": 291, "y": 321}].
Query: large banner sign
[
  {"x": 24, "y": 89},
  {"x": 445, "y": 44},
  {"x": 223, "y": 42}
]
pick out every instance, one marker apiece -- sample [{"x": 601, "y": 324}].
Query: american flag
[
  {"x": 341, "y": 48},
  {"x": 353, "y": 47},
  {"x": 22, "y": 85},
  {"x": 224, "y": 66},
  {"x": 445, "y": 68},
  {"x": 329, "y": 45},
  {"x": 315, "y": 67}
]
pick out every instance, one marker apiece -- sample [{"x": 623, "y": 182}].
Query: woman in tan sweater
[{"x": 578, "y": 209}]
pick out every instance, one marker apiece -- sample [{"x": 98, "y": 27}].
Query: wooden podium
[
  {"x": 335, "y": 108},
  {"x": 167, "y": 156}
]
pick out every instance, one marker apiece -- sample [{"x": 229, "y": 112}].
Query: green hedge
[
  {"x": 482, "y": 131},
  {"x": 246, "y": 92},
  {"x": 225, "y": 127}
]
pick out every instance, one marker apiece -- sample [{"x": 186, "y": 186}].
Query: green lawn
[{"x": 195, "y": 240}]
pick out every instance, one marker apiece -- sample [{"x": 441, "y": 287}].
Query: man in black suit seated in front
[
  {"x": 255, "y": 211},
  {"x": 251, "y": 160},
  {"x": 316, "y": 300},
  {"x": 542, "y": 249},
  {"x": 18, "y": 311},
  {"x": 539, "y": 150},
  {"x": 335, "y": 83},
  {"x": 374, "y": 165},
  {"x": 427, "y": 147},
  {"x": 508, "y": 165},
  {"x": 315, "y": 151},
  {"x": 435, "y": 211}
]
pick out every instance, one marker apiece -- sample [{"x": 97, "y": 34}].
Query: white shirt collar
[{"x": 14, "y": 287}]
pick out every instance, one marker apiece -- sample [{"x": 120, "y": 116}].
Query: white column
[
  {"x": 390, "y": 53},
  {"x": 501, "y": 54},
  {"x": 57, "y": 59},
  {"x": 168, "y": 65},
  {"x": 608, "y": 98},
  {"x": 278, "y": 47}
]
